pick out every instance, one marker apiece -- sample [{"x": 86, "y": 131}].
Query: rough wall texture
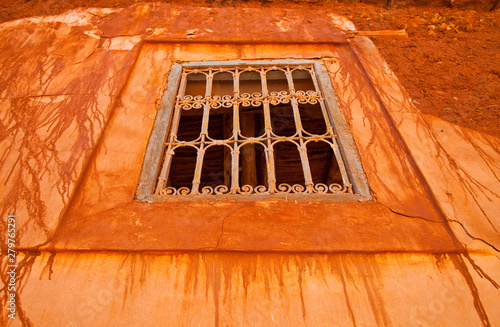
[
  {"x": 79, "y": 97},
  {"x": 448, "y": 64}
]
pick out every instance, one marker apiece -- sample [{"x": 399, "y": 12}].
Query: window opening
[{"x": 251, "y": 130}]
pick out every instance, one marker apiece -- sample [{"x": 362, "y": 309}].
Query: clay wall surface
[
  {"x": 448, "y": 64},
  {"x": 79, "y": 96}
]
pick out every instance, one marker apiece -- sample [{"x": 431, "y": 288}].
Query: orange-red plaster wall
[
  {"x": 78, "y": 97},
  {"x": 241, "y": 289},
  {"x": 104, "y": 214}
]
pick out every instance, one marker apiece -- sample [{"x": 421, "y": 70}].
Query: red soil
[{"x": 450, "y": 65}]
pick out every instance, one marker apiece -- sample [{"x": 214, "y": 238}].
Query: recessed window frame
[{"x": 155, "y": 151}]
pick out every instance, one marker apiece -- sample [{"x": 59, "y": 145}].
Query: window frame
[{"x": 156, "y": 145}]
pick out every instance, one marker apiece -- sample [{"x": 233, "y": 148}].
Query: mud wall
[{"x": 79, "y": 97}]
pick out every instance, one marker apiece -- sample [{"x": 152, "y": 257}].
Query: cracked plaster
[{"x": 66, "y": 129}]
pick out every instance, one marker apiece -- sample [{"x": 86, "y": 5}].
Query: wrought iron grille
[{"x": 251, "y": 130}]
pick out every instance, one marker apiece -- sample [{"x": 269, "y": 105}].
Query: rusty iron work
[{"x": 268, "y": 140}]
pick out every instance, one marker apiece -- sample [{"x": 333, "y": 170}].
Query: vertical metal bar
[
  {"x": 206, "y": 107},
  {"x": 289, "y": 78},
  {"x": 271, "y": 174},
  {"x": 305, "y": 166},
  {"x": 168, "y": 156},
  {"x": 182, "y": 87},
  {"x": 236, "y": 84},
  {"x": 235, "y": 184},
  {"x": 267, "y": 118},
  {"x": 338, "y": 157},
  {"x": 208, "y": 89},
  {"x": 296, "y": 116},
  {"x": 165, "y": 169},
  {"x": 197, "y": 170},
  {"x": 295, "y": 105},
  {"x": 298, "y": 126},
  {"x": 178, "y": 109},
  {"x": 236, "y": 105},
  {"x": 227, "y": 124},
  {"x": 302, "y": 147},
  {"x": 204, "y": 133},
  {"x": 235, "y": 172},
  {"x": 321, "y": 101}
]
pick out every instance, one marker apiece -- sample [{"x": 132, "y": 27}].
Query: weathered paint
[
  {"x": 79, "y": 95},
  {"x": 211, "y": 289}
]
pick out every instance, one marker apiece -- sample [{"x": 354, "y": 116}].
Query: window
[{"x": 250, "y": 128}]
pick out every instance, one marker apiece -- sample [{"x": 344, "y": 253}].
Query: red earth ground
[{"x": 450, "y": 64}]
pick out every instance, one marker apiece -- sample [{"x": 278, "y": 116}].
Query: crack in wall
[
  {"x": 472, "y": 236},
  {"x": 410, "y": 216},
  {"x": 448, "y": 220},
  {"x": 222, "y": 229}
]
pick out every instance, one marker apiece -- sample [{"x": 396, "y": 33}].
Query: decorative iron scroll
[{"x": 267, "y": 140}]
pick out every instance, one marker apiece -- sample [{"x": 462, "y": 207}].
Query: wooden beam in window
[
  {"x": 249, "y": 167},
  {"x": 334, "y": 174},
  {"x": 227, "y": 121}
]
